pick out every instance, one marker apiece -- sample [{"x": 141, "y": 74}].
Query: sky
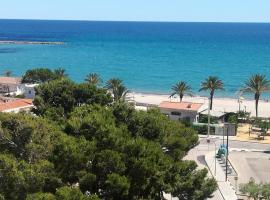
[{"x": 139, "y": 10}]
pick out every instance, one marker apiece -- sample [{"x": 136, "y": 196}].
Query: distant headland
[{"x": 30, "y": 42}]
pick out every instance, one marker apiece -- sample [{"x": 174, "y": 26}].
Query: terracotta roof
[
  {"x": 180, "y": 105},
  {"x": 4, "y": 99},
  {"x": 20, "y": 103},
  {"x": 10, "y": 80}
]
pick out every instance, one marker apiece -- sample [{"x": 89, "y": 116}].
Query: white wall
[
  {"x": 29, "y": 91},
  {"x": 184, "y": 114}
]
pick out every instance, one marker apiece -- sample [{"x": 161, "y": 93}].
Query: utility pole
[
  {"x": 227, "y": 153},
  {"x": 224, "y": 126},
  {"x": 208, "y": 124},
  {"x": 215, "y": 159}
]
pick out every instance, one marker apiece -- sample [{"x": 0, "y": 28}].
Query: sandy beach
[{"x": 219, "y": 104}]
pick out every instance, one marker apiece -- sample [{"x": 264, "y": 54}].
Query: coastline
[{"x": 220, "y": 104}]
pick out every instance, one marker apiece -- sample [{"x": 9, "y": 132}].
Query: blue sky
[{"x": 138, "y": 10}]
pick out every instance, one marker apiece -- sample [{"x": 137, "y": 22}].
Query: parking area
[{"x": 251, "y": 164}]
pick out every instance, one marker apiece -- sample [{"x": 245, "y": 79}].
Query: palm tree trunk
[
  {"x": 211, "y": 100},
  {"x": 257, "y": 97},
  {"x": 181, "y": 97}
]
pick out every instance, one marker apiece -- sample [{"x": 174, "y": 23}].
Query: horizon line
[{"x": 146, "y": 21}]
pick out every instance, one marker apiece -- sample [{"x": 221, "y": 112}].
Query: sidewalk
[{"x": 225, "y": 187}]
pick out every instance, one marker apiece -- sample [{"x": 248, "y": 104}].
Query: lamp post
[
  {"x": 236, "y": 185},
  {"x": 240, "y": 101}
]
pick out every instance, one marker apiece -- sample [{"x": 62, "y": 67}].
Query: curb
[{"x": 248, "y": 150}]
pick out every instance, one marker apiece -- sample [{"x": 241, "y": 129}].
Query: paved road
[
  {"x": 235, "y": 144},
  {"x": 197, "y": 154},
  {"x": 251, "y": 164}
]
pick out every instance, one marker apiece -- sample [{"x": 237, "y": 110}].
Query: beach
[{"x": 219, "y": 104}]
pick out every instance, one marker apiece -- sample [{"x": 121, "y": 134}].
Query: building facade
[{"x": 181, "y": 110}]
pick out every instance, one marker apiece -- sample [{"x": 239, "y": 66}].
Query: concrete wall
[{"x": 221, "y": 130}]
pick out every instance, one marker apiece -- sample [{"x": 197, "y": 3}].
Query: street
[{"x": 198, "y": 153}]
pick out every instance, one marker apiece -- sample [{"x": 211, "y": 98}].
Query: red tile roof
[
  {"x": 10, "y": 80},
  {"x": 180, "y": 105},
  {"x": 20, "y": 103}
]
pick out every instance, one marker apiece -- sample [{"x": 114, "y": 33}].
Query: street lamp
[
  {"x": 240, "y": 101},
  {"x": 236, "y": 179}
]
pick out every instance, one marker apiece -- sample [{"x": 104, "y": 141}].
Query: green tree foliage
[
  {"x": 181, "y": 88},
  {"x": 26, "y": 137},
  {"x": 41, "y": 196},
  {"x": 42, "y": 75},
  {"x": 76, "y": 154},
  {"x": 257, "y": 84},
  {"x": 26, "y": 145},
  {"x": 19, "y": 178},
  {"x": 144, "y": 157},
  {"x": 55, "y": 99},
  {"x": 60, "y": 73},
  {"x": 190, "y": 184},
  {"x": 212, "y": 84},
  {"x": 38, "y": 75},
  {"x": 117, "y": 88},
  {"x": 93, "y": 78},
  {"x": 256, "y": 190},
  {"x": 68, "y": 193},
  {"x": 63, "y": 193},
  {"x": 101, "y": 150},
  {"x": 116, "y": 186}
]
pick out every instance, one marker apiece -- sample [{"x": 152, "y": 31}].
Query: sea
[{"x": 148, "y": 56}]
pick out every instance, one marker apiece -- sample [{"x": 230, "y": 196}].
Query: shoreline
[
  {"x": 30, "y": 42},
  {"x": 196, "y": 96},
  {"x": 224, "y": 105}
]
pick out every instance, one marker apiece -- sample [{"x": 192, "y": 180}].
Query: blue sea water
[{"x": 148, "y": 56}]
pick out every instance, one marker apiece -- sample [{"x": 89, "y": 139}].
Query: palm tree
[
  {"x": 60, "y": 73},
  {"x": 7, "y": 73},
  {"x": 93, "y": 78},
  {"x": 181, "y": 88},
  {"x": 256, "y": 84},
  {"x": 117, "y": 88},
  {"x": 212, "y": 83}
]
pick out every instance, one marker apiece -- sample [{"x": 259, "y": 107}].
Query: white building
[
  {"x": 29, "y": 91},
  {"x": 181, "y": 110}
]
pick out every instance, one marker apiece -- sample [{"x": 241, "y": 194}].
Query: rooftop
[
  {"x": 10, "y": 80},
  {"x": 180, "y": 105},
  {"x": 4, "y": 99},
  {"x": 16, "y": 104}
]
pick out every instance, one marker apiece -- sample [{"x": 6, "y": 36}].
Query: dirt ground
[{"x": 244, "y": 133}]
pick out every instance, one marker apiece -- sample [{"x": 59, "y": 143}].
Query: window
[
  {"x": 29, "y": 92},
  {"x": 176, "y": 113}
]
